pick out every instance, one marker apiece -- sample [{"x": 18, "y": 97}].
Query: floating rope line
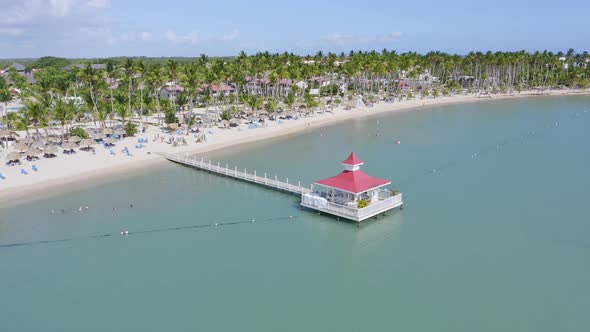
[{"x": 156, "y": 230}]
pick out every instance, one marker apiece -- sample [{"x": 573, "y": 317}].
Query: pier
[
  {"x": 351, "y": 194},
  {"x": 240, "y": 174}
]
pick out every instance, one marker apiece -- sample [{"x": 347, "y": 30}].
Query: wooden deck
[{"x": 244, "y": 175}]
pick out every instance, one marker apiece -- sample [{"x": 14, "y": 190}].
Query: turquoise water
[{"x": 494, "y": 237}]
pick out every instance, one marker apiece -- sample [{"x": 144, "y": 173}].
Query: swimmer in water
[{"x": 130, "y": 205}]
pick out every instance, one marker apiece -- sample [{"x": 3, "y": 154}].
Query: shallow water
[{"x": 494, "y": 236}]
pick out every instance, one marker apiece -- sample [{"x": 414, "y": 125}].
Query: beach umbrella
[
  {"x": 38, "y": 145},
  {"x": 99, "y": 135},
  {"x": 107, "y": 131},
  {"x": 4, "y": 132},
  {"x": 37, "y": 137},
  {"x": 70, "y": 145},
  {"x": 13, "y": 156},
  {"x": 74, "y": 139},
  {"x": 110, "y": 141},
  {"x": 27, "y": 140},
  {"x": 87, "y": 142},
  {"x": 32, "y": 152},
  {"x": 50, "y": 149},
  {"x": 119, "y": 132},
  {"x": 173, "y": 126},
  {"x": 224, "y": 123},
  {"x": 20, "y": 146},
  {"x": 52, "y": 139}
]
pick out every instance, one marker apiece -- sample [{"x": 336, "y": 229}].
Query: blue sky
[{"x": 101, "y": 28}]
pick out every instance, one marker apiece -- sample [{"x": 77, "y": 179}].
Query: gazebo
[{"x": 352, "y": 194}]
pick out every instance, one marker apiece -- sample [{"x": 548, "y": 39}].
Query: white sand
[{"x": 73, "y": 171}]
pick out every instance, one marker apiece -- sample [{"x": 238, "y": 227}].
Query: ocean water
[{"x": 495, "y": 235}]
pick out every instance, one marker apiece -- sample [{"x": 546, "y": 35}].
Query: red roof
[
  {"x": 352, "y": 160},
  {"x": 353, "y": 181}
]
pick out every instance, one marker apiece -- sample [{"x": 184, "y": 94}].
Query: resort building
[{"x": 352, "y": 194}]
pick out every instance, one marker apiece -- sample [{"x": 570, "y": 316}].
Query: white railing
[
  {"x": 360, "y": 213},
  {"x": 380, "y": 206},
  {"x": 250, "y": 177}
]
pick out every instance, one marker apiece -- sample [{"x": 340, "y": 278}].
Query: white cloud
[
  {"x": 192, "y": 38},
  {"x": 232, "y": 35},
  {"x": 146, "y": 36},
  {"x": 343, "y": 39},
  {"x": 11, "y": 31},
  {"x": 100, "y": 3}
]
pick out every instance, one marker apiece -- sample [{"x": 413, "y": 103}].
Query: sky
[{"x": 104, "y": 28}]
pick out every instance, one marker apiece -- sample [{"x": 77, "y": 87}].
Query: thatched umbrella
[
  {"x": 87, "y": 142},
  {"x": 70, "y": 145},
  {"x": 53, "y": 140},
  {"x": 173, "y": 126},
  {"x": 4, "y": 132},
  {"x": 32, "y": 152},
  {"x": 107, "y": 131},
  {"x": 110, "y": 141},
  {"x": 99, "y": 135},
  {"x": 38, "y": 145},
  {"x": 74, "y": 139},
  {"x": 224, "y": 123},
  {"x": 13, "y": 156},
  {"x": 119, "y": 132},
  {"x": 50, "y": 149},
  {"x": 37, "y": 137},
  {"x": 21, "y": 146},
  {"x": 27, "y": 140}
]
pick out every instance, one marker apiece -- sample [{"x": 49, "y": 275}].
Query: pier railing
[{"x": 237, "y": 173}]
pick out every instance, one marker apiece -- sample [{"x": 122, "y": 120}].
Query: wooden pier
[{"x": 253, "y": 177}]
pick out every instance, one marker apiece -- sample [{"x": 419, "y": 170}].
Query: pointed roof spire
[{"x": 352, "y": 160}]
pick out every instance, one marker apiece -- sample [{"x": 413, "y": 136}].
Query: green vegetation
[
  {"x": 130, "y": 129},
  {"x": 50, "y": 62},
  {"x": 361, "y": 203},
  {"x": 80, "y": 132},
  {"x": 129, "y": 88}
]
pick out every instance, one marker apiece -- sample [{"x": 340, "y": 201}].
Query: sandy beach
[{"x": 70, "y": 172}]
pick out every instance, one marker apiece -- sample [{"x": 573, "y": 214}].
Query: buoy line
[{"x": 156, "y": 230}]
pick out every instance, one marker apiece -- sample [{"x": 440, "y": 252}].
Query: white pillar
[{"x": 254, "y": 175}]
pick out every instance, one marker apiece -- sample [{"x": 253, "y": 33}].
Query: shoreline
[{"x": 100, "y": 169}]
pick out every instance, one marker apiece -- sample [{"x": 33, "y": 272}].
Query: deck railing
[{"x": 362, "y": 213}]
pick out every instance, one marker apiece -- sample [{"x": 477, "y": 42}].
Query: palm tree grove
[{"x": 129, "y": 90}]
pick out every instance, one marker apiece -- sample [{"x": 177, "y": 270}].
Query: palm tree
[
  {"x": 36, "y": 112},
  {"x": 141, "y": 71},
  {"x": 111, "y": 82},
  {"x": 172, "y": 67}
]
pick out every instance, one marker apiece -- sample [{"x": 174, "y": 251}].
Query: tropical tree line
[{"x": 131, "y": 90}]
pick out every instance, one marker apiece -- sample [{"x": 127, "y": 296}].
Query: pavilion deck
[{"x": 351, "y": 211}]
